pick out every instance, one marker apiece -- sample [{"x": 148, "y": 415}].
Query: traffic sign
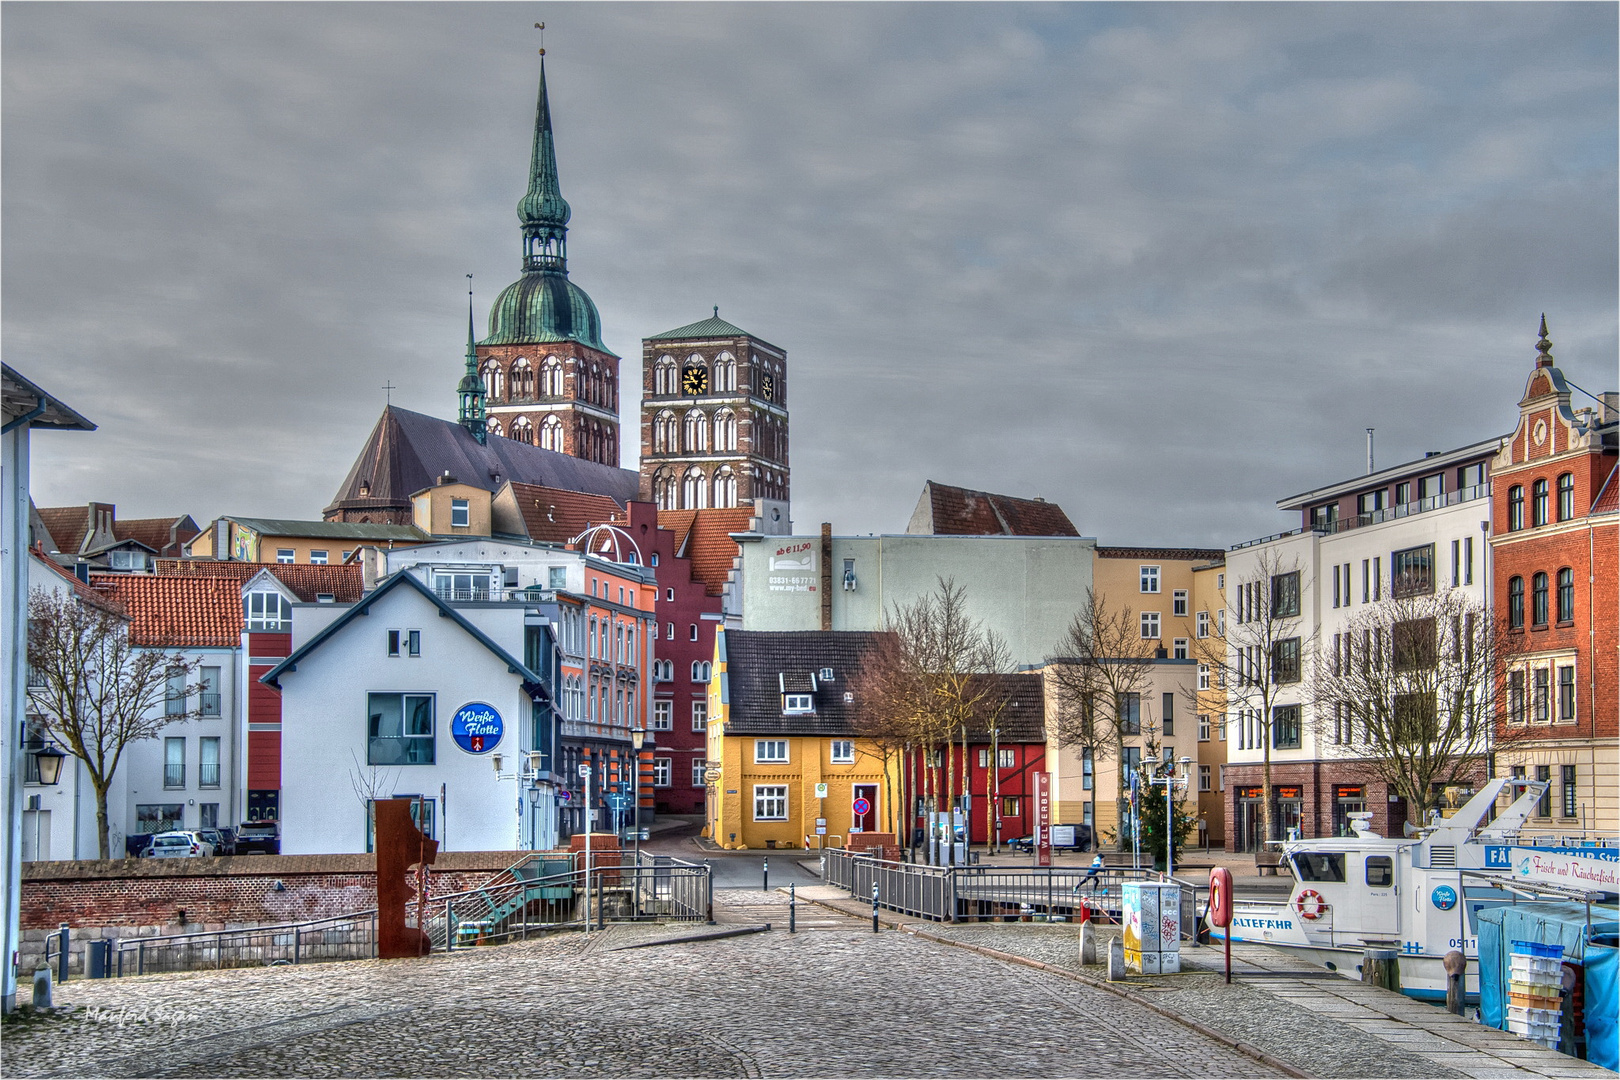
[
  {"x": 584, "y": 769},
  {"x": 862, "y": 807},
  {"x": 564, "y": 796},
  {"x": 821, "y": 791}
]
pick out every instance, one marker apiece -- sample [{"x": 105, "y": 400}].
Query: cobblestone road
[{"x": 826, "y": 1002}]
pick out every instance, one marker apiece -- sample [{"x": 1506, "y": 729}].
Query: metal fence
[
  {"x": 340, "y": 937},
  {"x": 996, "y": 893}
]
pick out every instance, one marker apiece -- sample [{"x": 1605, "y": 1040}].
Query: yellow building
[
  {"x": 783, "y": 717},
  {"x": 246, "y": 539}
]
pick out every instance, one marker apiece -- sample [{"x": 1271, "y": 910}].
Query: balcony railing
[
  {"x": 208, "y": 775},
  {"x": 210, "y": 703},
  {"x": 1388, "y": 513},
  {"x": 174, "y": 776},
  {"x": 174, "y": 706},
  {"x": 475, "y": 593}
]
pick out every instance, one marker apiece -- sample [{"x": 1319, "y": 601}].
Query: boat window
[
  {"x": 1380, "y": 871},
  {"x": 1319, "y": 866}
]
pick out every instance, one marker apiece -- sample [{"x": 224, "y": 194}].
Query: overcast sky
[{"x": 1159, "y": 264}]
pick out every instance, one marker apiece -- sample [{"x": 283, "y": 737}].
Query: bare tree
[
  {"x": 1407, "y": 692},
  {"x": 97, "y": 692},
  {"x": 1100, "y": 669},
  {"x": 1260, "y": 654},
  {"x": 370, "y": 783}
]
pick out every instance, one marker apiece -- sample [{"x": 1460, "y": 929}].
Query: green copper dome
[{"x": 544, "y": 306}]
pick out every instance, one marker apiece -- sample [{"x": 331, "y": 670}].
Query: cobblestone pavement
[
  {"x": 824, "y": 1002},
  {"x": 1319, "y": 1023}
]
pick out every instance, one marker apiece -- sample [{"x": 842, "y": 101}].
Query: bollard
[
  {"x": 42, "y": 988},
  {"x": 1381, "y": 967},
  {"x": 1456, "y": 965},
  {"x": 765, "y": 871},
  {"x": 1088, "y": 942},
  {"x": 64, "y": 949},
  {"x": 793, "y": 908},
  {"x": 874, "y": 907},
  {"x": 1116, "y": 960}
]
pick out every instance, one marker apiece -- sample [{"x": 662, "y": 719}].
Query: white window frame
[
  {"x": 843, "y": 752},
  {"x": 1148, "y": 580},
  {"x": 1178, "y": 650},
  {"x": 1204, "y": 777},
  {"x": 460, "y": 513},
  {"x": 766, "y": 751},
  {"x": 286, "y": 555},
  {"x": 770, "y": 802},
  {"x": 1178, "y": 603},
  {"x": 699, "y": 767},
  {"x": 1203, "y": 727},
  {"x": 700, "y": 715},
  {"x": 798, "y": 704},
  {"x": 701, "y": 671},
  {"x": 663, "y": 714},
  {"x": 1150, "y": 626},
  {"x": 663, "y": 771},
  {"x": 1203, "y": 676},
  {"x": 1203, "y": 624}
]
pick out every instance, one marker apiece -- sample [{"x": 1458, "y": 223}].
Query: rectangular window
[
  {"x": 770, "y": 751},
  {"x": 1566, "y": 692},
  {"x": 1544, "y": 805},
  {"x": 557, "y": 577},
  {"x": 1150, "y": 625},
  {"x": 1006, "y": 758},
  {"x": 984, "y": 757},
  {"x": 1411, "y": 571},
  {"x": 285, "y": 555},
  {"x": 1371, "y": 502},
  {"x": 393, "y": 642},
  {"x": 1087, "y": 770},
  {"x": 1220, "y": 778},
  {"x": 1009, "y": 806},
  {"x": 208, "y": 816},
  {"x": 1285, "y": 661},
  {"x": 1567, "y": 776},
  {"x": 1203, "y": 676},
  {"x": 399, "y": 729},
  {"x": 1204, "y": 777},
  {"x": 1366, "y": 581},
  {"x": 843, "y": 751},
  {"x": 1220, "y": 622},
  {"x": 770, "y": 802},
  {"x": 699, "y": 767},
  {"x": 1178, "y": 603},
  {"x": 159, "y": 817},
  {"x": 208, "y": 761},
  {"x": 1285, "y": 727},
  {"x": 1285, "y": 595},
  {"x": 1220, "y": 729},
  {"x": 210, "y": 692},
  {"x": 1518, "y": 706},
  {"x": 798, "y": 703},
  {"x": 413, "y": 642},
  {"x": 1378, "y": 577},
  {"x": 1414, "y": 645},
  {"x": 1203, "y": 624},
  {"x": 692, "y": 634},
  {"x": 1203, "y": 727},
  {"x": 460, "y": 514},
  {"x": 317, "y": 557},
  {"x": 174, "y": 763},
  {"x": 1130, "y": 713},
  {"x": 1456, "y": 563},
  {"x": 700, "y": 716},
  {"x": 1179, "y": 649},
  {"x": 1335, "y": 585},
  {"x": 1150, "y": 579},
  {"x": 1468, "y": 560},
  {"x": 663, "y": 771},
  {"x": 1539, "y": 703},
  {"x": 1132, "y": 760},
  {"x": 1167, "y": 709},
  {"x": 174, "y": 696},
  {"x": 663, "y": 710}
]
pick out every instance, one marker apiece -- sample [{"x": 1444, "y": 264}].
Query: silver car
[{"x": 179, "y": 845}]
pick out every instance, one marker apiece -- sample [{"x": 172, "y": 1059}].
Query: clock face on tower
[
  {"x": 695, "y": 380},
  {"x": 767, "y": 387}
]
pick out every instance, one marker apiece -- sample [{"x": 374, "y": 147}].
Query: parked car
[
  {"x": 224, "y": 840},
  {"x": 135, "y": 844},
  {"x": 179, "y": 845},
  {"x": 263, "y": 837},
  {"x": 1064, "y": 838}
]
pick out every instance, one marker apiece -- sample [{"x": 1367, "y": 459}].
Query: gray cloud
[{"x": 1158, "y": 263}]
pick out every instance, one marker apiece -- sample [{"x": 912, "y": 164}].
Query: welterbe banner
[{"x": 1570, "y": 871}]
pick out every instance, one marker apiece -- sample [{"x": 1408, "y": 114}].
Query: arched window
[
  {"x": 610, "y": 442},
  {"x": 1538, "y": 503},
  {"x": 1538, "y": 600},
  {"x": 610, "y": 385},
  {"x": 665, "y": 377},
  {"x": 1515, "y": 509},
  {"x": 594, "y": 393},
  {"x": 664, "y": 490},
  {"x": 1566, "y": 595},
  {"x": 522, "y": 380},
  {"x": 493, "y": 425},
  {"x": 725, "y": 373},
  {"x": 494, "y": 379},
  {"x": 551, "y": 434},
  {"x": 1516, "y": 603},
  {"x": 725, "y": 430},
  {"x": 700, "y": 671},
  {"x": 666, "y": 437},
  {"x": 551, "y": 377},
  {"x": 694, "y": 490},
  {"x": 725, "y": 487},
  {"x": 1566, "y": 496},
  {"x": 522, "y": 430},
  {"x": 697, "y": 432}
]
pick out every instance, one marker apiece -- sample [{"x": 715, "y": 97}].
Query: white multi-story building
[{"x": 1424, "y": 523}]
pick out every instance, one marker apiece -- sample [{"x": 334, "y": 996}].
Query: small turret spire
[
  {"x": 1544, "y": 356},
  {"x": 542, "y": 210},
  {"x": 471, "y": 387}
]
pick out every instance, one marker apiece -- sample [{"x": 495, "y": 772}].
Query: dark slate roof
[
  {"x": 756, "y": 660},
  {"x": 1023, "y": 716},
  {"x": 956, "y": 511},
  {"x": 333, "y": 530},
  {"x": 22, "y": 398},
  {"x": 1168, "y": 554},
  {"x": 407, "y": 451}
]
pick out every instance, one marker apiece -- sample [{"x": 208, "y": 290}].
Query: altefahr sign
[{"x": 1562, "y": 868}]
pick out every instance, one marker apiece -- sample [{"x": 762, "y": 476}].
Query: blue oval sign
[
  {"x": 1444, "y": 897},
  {"x": 477, "y": 728}
]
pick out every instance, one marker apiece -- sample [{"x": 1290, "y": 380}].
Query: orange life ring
[{"x": 1309, "y": 904}]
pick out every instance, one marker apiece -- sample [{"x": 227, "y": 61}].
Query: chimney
[
  {"x": 445, "y": 478},
  {"x": 826, "y": 575}
]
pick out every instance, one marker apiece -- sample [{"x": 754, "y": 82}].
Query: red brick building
[{"x": 1555, "y": 521}]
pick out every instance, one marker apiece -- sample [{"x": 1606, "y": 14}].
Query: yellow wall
[
  {"x": 262, "y": 548},
  {"x": 430, "y": 510}
]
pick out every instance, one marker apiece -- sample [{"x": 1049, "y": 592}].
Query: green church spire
[
  {"x": 471, "y": 387},
  {"x": 542, "y": 210}
]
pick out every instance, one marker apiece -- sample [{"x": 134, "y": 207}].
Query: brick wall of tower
[{"x": 587, "y": 434}]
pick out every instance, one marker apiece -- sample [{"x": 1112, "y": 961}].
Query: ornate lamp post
[{"x": 638, "y": 738}]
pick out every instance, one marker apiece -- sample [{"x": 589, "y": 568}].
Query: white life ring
[{"x": 1309, "y": 904}]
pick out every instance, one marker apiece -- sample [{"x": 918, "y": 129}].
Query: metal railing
[
  {"x": 339, "y": 937},
  {"x": 210, "y": 703},
  {"x": 174, "y": 776},
  {"x": 994, "y": 893},
  {"x": 208, "y": 774}
]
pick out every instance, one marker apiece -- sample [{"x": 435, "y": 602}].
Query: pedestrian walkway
[{"x": 1290, "y": 1013}]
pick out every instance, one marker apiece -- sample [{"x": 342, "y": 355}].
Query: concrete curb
[
  {"x": 713, "y": 935},
  {"x": 1219, "y": 1036}
]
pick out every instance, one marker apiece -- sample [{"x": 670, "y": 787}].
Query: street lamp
[
  {"x": 1171, "y": 781},
  {"x": 49, "y": 759},
  {"x": 638, "y": 738}
]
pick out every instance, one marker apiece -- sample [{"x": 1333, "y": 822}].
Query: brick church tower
[
  {"x": 714, "y": 420},
  {"x": 547, "y": 378}
]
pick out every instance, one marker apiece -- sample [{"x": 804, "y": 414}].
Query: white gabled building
[{"x": 408, "y": 694}]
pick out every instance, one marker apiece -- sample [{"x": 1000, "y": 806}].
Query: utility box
[
  {"x": 1152, "y": 917},
  {"x": 98, "y": 959}
]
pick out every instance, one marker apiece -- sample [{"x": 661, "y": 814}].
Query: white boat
[{"x": 1368, "y": 891}]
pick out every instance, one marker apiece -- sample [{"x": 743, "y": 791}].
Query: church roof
[
  {"x": 708, "y": 328},
  {"x": 407, "y": 450}
]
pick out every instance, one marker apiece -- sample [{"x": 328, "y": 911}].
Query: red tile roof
[
  {"x": 163, "y": 535},
  {"x": 554, "y": 516},
  {"x": 1608, "y": 500},
  {"x": 1168, "y": 554},
  {"x": 67, "y": 525},
  {"x": 85, "y": 592},
  {"x": 177, "y": 612},
  {"x": 704, "y": 536},
  {"x": 346, "y": 583},
  {"x": 963, "y": 512}
]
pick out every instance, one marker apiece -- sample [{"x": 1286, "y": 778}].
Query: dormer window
[
  {"x": 460, "y": 514},
  {"x": 267, "y": 610},
  {"x": 798, "y": 703},
  {"x": 826, "y": 674}
]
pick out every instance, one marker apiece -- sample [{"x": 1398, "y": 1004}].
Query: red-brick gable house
[{"x": 1555, "y": 520}]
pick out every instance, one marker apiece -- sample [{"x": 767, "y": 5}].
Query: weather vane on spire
[{"x": 540, "y": 26}]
